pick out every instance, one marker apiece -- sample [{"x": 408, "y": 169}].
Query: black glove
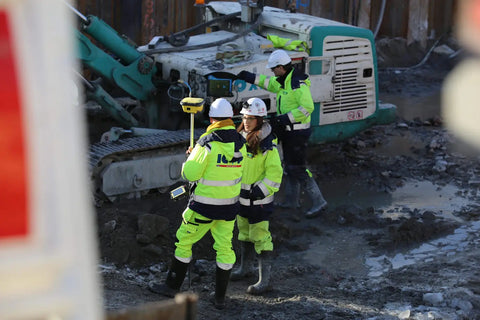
[
  {"x": 278, "y": 124},
  {"x": 247, "y": 76},
  {"x": 256, "y": 193},
  {"x": 281, "y": 120}
]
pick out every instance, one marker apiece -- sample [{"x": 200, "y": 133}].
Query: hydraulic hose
[
  {"x": 425, "y": 58},
  {"x": 206, "y": 24},
  {"x": 181, "y": 38},
  {"x": 380, "y": 18},
  {"x": 205, "y": 45}
]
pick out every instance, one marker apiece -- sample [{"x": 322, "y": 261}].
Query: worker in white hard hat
[
  {"x": 262, "y": 175},
  {"x": 215, "y": 165},
  {"x": 292, "y": 126}
]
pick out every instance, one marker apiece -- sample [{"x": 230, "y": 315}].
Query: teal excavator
[{"x": 144, "y": 153}]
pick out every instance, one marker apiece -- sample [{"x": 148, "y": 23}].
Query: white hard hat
[
  {"x": 254, "y": 107},
  {"x": 278, "y": 58},
  {"x": 220, "y": 108}
]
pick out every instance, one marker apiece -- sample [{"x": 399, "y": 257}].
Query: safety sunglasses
[{"x": 274, "y": 68}]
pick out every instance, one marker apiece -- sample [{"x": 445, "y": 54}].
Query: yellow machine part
[{"x": 192, "y": 105}]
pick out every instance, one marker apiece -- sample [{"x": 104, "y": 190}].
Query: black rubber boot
[
  {"x": 221, "y": 284},
  {"x": 291, "y": 195},
  {"x": 247, "y": 254},
  {"x": 174, "y": 280},
  {"x": 264, "y": 274},
  {"x": 315, "y": 195}
]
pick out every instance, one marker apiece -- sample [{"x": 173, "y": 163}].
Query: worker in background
[
  {"x": 292, "y": 126},
  {"x": 262, "y": 175},
  {"x": 215, "y": 165}
]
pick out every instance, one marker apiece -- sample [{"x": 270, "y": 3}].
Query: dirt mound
[{"x": 398, "y": 53}]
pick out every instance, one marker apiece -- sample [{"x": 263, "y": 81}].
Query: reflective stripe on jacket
[
  {"x": 293, "y": 99},
  {"x": 264, "y": 169},
  {"x": 215, "y": 164}
]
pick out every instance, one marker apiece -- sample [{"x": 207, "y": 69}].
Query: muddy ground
[{"x": 399, "y": 239}]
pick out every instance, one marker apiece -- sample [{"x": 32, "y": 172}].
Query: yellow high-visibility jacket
[
  {"x": 293, "y": 99},
  {"x": 263, "y": 169},
  {"x": 216, "y": 165}
]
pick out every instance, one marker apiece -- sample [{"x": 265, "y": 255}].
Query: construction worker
[
  {"x": 215, "y": 165},
  {"x": 262, "y": 175},
  {"x": 292, "y": 126}
]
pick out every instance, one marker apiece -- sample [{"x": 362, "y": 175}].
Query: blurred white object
[
  {"x": 461, "y": 101},
  {"x": 461, "y": 92},
  {"x": 48, "y": 264}
]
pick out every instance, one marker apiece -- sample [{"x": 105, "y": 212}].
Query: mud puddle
[
  {"x": 345, "y": 252},
  {"x": 454, "y": 244},
  {"x": 424, "y": 195},
  {"x": 420, "y": 195},
  {"x": 424, "y": 106}
]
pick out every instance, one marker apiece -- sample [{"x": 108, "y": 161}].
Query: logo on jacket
[{"x": 224, "y": 163}]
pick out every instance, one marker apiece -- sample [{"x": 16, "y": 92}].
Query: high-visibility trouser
[
  {"x": 257, "y": 233},
  {"x": 194, "y": 227}
]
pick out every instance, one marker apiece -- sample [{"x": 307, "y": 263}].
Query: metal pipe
[
  {"x": 78, "y": 13},
  {"x": 85, "y": 81},
  {"x": 192, "y": 129}
]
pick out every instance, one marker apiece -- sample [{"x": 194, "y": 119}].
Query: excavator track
[{"x": 134, "y": 166}]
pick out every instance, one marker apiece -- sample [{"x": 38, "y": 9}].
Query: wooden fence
[{"x": 415, "y": 20}]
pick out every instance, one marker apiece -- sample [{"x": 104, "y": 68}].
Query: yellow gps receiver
[{"x": 192, "y": 105}]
